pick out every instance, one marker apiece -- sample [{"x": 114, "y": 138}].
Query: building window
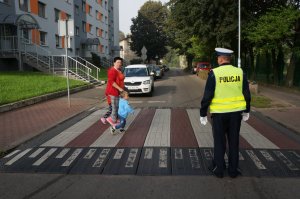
[
  {"x": 83, "y": 6},
  {"x": 58, "y": 41},
  {"x": 90, "y": 28},
  {"x": 57, "y": 12},
  {"x": 23, "y": 5},
  {"x": 83, "y": 26},
  {"x": 68, "y": 16},
  {"x": 43, "y": 38},
  {"x": 77, "y": 31},
  {"x": 77, "y": 9},
  {"x": 99, "y": 15},
  {"x": 42, "y": 9},
  {"x": 26, "y": 34},
  {"x": 89, "y": 11}
]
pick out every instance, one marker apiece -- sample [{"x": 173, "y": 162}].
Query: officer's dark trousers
[{"x": 226, "y": 125}]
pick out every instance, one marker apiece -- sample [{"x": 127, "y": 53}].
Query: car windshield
[
  {"x": 135, "y": 72},
  {"x": 156, "y": 67}
]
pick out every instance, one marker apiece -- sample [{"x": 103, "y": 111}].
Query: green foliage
[
  {"x": 198, "y": 49},
  {"x": 16, "y": 86},
  {"x": 171, "y": 59},
  {"x": 274, "y": 28},
  {"x": 148, "y": 30}
]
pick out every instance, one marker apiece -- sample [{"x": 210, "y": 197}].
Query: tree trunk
[
  {"x": 252, "y": 67},
  {"x": 280, "y": 65},
  {"x": 290, "y": 71},
  {"x": 275, "y": 67}
]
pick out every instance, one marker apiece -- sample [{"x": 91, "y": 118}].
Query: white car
[{"x": 138, "y": 79}]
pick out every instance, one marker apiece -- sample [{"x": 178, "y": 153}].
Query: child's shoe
[
  {"x": 121, "y": 130},
  {"x": 103, "y": 120},
  {"x": 112, "y": 130}
]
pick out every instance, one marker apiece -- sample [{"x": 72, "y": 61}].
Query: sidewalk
[
  {"x": 286, "y": 107},
  {"x": 22, "y": 124}
]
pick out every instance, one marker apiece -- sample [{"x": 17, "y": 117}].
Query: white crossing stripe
[
  {"x": 44, "y": 157},
  {"x": 202, "y": 133},
  {"x": 178, "y": 154},
  {"x": 267, "y": 155},
  {"x": 71, "y": 159},
  {"x": 194, "y": 159},
  {"x": 101, "y": 158},
  {"x": 90, "y": 154},
  {"x": 36, "y": 153},
  {"x": 286, "y": 161},
  {"x": 69, "y": 134},
  {"x": 118, "y": 154},
  {"x": 63, "y": 153},
  {"x": 17, "y": 157},
  {"x": 256, "y": 160},
  {"x": 12, "y": 153},
  {"x": 109, "y": 140},
  {"x": 163, "y": 158},
  {"x": 148, "y": 153},
  {"x": 159, "y": 132},
  {"x": 131, "y": 157},
  {"x": 254, "y": 138},
  {"x": 241, "y": 156}
]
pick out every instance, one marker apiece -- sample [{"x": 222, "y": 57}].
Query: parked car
[
  {"x": 203, "y": 66},
  {"x": 194, "y": 69},
  {"x": 138, "y": 79},
  {"x": 166, "y": 68},
  {"x": 151, "y": 70},
  {"x": 158, "y": 71}
]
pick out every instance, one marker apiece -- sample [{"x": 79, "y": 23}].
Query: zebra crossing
[{"x": 156, "y": 142}]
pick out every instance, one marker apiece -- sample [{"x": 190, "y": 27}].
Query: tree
[
  {"x": 148, "y": 30},
  {"x": 272, "y": 31}
]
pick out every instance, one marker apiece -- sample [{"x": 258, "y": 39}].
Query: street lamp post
[
  {"x": 239, "y": 42},
  {"x": 156, "y": 58}
]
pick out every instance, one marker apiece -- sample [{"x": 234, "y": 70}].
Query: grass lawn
[
  {"x": 260, "y": 101},
  {"x": 16, "y": 86}
]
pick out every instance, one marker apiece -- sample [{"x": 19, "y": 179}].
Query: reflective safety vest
[{"x": 228, "y": 96}]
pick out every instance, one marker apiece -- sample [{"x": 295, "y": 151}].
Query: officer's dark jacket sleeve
[
  {"x": 246, "y": 93},
  {"x": 208, "y": 93}
]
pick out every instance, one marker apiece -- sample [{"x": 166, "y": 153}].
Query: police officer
[{"x": 228, "y": 97}]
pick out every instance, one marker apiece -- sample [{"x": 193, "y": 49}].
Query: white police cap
[{"x": 223, "y": 52}]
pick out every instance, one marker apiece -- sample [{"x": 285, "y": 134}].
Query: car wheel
[{"x": 150, "y": 94}]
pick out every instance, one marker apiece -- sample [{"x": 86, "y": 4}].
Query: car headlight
[{"x": 146, "y": 82}]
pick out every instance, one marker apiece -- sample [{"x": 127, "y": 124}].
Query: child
[{"x": 123, "y": 111}]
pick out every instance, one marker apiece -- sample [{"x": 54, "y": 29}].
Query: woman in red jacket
[{"x": 115, "y": 85}]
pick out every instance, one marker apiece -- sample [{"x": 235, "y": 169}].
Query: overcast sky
[{"x": 129, "y": 10}]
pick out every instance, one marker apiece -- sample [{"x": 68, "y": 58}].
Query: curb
[{"x": 42, "y": 98}]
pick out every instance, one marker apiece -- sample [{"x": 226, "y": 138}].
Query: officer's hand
[
  {"x": 245, "y": 116},
  {"x": 203, "y": 120}
]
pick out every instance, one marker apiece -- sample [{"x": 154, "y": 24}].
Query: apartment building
[{"x": 96, "y": 25}]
